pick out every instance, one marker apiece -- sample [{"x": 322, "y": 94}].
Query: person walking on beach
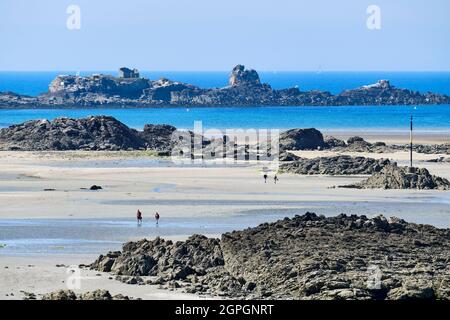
[
  {"x": 275, "y": 179},
  {"x": 157, "y": 217},
  {"x": 265, "y": 178},
  {"x": 139, "y": 217}
]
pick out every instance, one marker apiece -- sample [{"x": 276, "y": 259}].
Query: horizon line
[{"x": 259, "y": 71}]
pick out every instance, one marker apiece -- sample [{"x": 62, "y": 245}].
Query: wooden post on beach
[{"x": 411, "y": 143}]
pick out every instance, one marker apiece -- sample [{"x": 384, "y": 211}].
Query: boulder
[{"x": 301, "y": 139}]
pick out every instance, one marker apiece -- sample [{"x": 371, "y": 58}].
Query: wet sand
[
  {"x": 50, "y": 273},
  {"x": 208, "y": 200}
]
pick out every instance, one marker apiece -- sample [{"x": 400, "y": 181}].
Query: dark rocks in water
[
  {"x": 95, "y": 187},
  {"x": 92, "y": 295},
  {"x": 337, "y": 165},
  {"x": 306, "y": 257},
  {"x": 244, "y": 89},
  {"x": 301, "y": 139},
  {"x": 395, "y": 177},
  {"x": 383, "y": 93}
]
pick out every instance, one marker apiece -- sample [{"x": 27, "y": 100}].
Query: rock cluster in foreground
[
  {"x": 306, "y": 257},
  {"x": 395, "y": 177}
]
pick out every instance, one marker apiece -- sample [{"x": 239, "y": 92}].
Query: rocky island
[{"x": 244, "y": 89}]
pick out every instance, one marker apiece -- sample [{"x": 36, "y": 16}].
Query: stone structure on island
[
  {"x": 127, "y": 73},
  {"x": 244, "y": 89}
]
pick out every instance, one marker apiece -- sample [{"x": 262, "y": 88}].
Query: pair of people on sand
[
  {"x": 275, "y": 178},
  {"x": 139, "y": 217}
]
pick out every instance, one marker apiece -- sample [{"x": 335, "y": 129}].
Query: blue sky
[{"x": 270, "y": 35}]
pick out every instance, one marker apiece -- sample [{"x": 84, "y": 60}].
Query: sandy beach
[
  {"x": 43, "y": 192},
  {"x": 43, "y": 274}
]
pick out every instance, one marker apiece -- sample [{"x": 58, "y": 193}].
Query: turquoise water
[{"x": 427, "y": 118}]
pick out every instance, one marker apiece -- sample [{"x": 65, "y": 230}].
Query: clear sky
[{"x": 266, "y": 35}]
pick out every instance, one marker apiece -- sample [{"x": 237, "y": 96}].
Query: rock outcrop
[
  {"x": 242, "y": 77},
  {"x": 244, "y": 89},
  {"x": 174, "y": 261},
  {"x": 301, "y": 139},
  {"x": 337, "y": 165},
  {"x": 395, "y": 177},
  {"x": 91, "y": 133},
  {"x": 306, "y": 257}
]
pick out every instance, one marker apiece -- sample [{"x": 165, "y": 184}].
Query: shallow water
[
  {"x": 73, "y": 236},
  {"x": 95, "y": 236}
]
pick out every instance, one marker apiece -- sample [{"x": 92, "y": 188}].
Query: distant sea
[{"x": 428, "y": 118}]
